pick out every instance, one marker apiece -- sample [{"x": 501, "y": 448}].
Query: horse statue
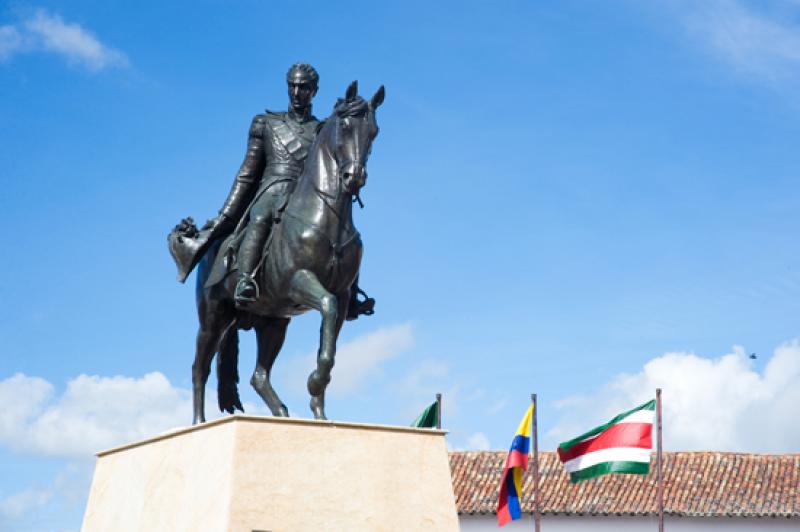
[{"x": 310, "y": 260}]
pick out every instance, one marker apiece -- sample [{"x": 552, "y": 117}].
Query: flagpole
[
  {"x": 439, "y": 411},
  {"x": 659, "y": 472},
  {"x": 535, "y": 438}
]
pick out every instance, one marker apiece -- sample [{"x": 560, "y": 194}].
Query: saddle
[{"x": 224, "y": 262}]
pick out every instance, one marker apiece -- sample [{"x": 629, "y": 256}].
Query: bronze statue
[
  {"x": 297, "y": 246},
  {"x": 277, "y": 146}
]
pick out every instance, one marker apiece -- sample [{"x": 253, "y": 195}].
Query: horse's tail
[{"x": 228, "y": 371}]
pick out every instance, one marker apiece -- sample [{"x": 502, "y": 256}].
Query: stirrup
[
  {"x": 246, "y": 280},
  {"x": 357, "y": 307}
]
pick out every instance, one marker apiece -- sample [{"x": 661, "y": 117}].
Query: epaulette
[{"x": 257, "y": 126}]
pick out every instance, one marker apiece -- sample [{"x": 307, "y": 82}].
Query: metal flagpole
[
  {"x": 659, "y": 472},
  {"x": 438, "y": 411},
  {"x": 535, "y": 438}
]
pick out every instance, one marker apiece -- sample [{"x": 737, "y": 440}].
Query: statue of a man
[{"x": 277, "y": 147}]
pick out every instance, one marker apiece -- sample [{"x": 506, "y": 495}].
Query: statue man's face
[{"x": 301, "y": 93}]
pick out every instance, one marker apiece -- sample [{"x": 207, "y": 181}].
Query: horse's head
[{"x": 356, "y": 128}]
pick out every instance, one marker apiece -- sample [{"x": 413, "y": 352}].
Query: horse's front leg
[
  {"x": 318, "y": 401},
  {"x": 307, "y": 290}
]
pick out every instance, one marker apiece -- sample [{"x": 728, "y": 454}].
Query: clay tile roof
[{"x": 696, "y": 484}]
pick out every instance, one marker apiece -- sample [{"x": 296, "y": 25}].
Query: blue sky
[{"x": 583, "y": 200}]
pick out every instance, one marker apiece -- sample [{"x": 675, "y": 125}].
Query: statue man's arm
[{"x": 248, "y": 176}]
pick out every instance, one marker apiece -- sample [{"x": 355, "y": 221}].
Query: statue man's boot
[
  {"x": 356, "y": 307},
  {"x": 247, "y": 259}
]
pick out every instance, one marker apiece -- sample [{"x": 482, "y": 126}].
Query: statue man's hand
[
  {"x": 186, "y": 228},
  {"x": 186, "y": 245}
]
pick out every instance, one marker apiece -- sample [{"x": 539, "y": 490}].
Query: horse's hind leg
[
  {"x": 215, "y": 320},
  {"x": 307, "y": 290},
  {"x": 270, "y": 334},
  {"x": 206, "y": 346}
]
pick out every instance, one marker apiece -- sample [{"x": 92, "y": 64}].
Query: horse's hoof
[
  {"x": 318, "y": 408},
  {"x": 279, "y": 411}
]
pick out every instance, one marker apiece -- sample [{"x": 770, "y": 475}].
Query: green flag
[{"x": 429, "y": 418}]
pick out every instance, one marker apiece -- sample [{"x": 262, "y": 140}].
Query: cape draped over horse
[{"x": 311, "y": 259}]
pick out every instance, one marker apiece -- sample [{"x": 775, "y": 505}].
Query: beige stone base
[{"x": 245, "y": 474}]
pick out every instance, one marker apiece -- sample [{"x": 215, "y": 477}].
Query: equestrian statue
[{"x": 283, "y": 243}]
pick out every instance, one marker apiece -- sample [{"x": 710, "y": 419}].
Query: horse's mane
[{"x": 354, "y": 107}]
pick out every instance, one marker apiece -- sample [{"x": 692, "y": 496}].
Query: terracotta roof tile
[{"x": 695, "y": 484}]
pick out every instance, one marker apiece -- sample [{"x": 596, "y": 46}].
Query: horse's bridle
[{"x": 324, "y": 196}]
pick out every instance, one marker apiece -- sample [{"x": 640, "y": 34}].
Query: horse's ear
[
  {"x": 352, "y": 90},
  {"x": 378, "y": 98}
]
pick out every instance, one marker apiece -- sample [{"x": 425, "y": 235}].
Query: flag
[
  {"x": 508, "y": 501},
  {"x": 620, "y": 446},
  {"x": 429, "y": 418}
]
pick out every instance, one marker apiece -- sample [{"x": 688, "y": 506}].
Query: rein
[
  {"x": 323, "y": 196},
  {"x": 336, "y": 246},
  {"x": 328, "y": 198}
]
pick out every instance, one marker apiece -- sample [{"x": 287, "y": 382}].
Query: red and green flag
[{"x": 620, "y": 446}]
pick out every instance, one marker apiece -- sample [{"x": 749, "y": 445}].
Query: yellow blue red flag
[{"x": 508, "y": 502}]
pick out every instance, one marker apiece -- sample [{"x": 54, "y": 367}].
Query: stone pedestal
[{"x": 248, "y": 474}]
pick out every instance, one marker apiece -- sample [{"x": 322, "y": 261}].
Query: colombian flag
[{"x": 508, "y": 505}]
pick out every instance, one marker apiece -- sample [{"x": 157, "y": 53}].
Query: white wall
[{"x": 559, "y": 523}]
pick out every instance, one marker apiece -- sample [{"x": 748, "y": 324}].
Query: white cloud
[
  {"x": 16, "y": 505},
  {"x": 358, "y": 359},
  {"x": 499, "y": 404},
  {"x": 48, "y": 32},
  {"x": 10, "y": 41},
  {"x": 476, "y": 441},
  {"x": 70, "y": 486},
  {"x": 92, "y": 414},
  {"x": 713, "y": 404},
  {"x": 74, "y": 42},
  {"x": 762, "y": 44},
  {"x": 419, "y": 378},
  {"x": 95, "y": 413},
  {"x": 427, "y": 378}
]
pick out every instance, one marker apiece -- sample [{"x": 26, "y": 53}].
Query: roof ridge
[
  {"x": 697, "y": 484},
  {"x": 743, "y": 453}
]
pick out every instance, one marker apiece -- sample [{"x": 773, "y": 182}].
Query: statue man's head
[{"x": 303, "y": 81}]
